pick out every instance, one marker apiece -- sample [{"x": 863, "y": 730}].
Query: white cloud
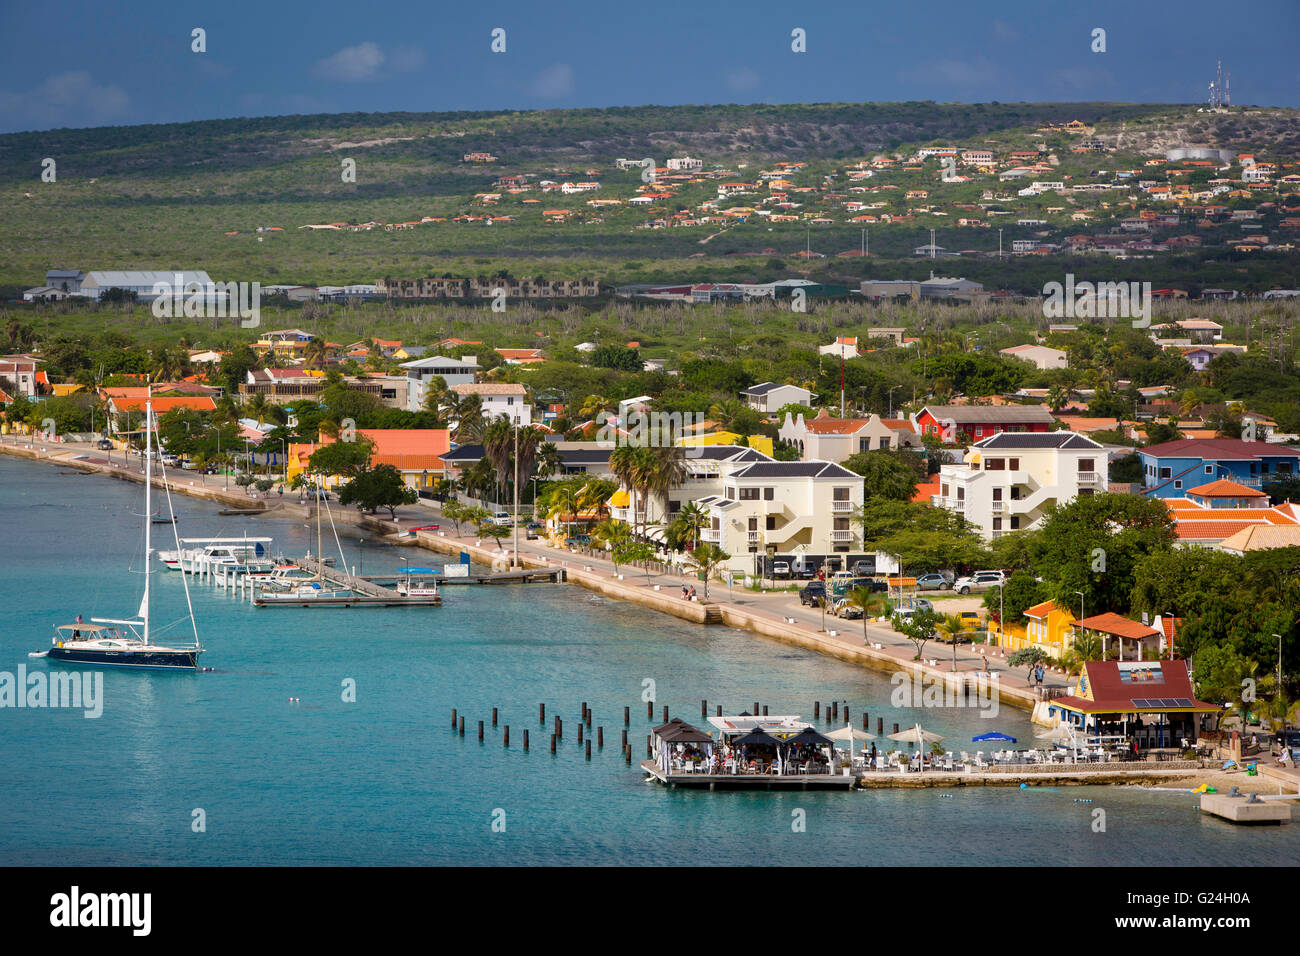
[
  {"x": 553, "y": 83},
  {"x": 741, "y": 80},
  {"x": 1005, "y": 32},
  {"x": 352, "y": 64},
  {"x": 64, "y": 99}
]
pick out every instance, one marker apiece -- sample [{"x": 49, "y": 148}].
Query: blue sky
[{"x": 78, "y": 64}]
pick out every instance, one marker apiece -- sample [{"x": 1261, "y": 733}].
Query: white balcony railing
[
  {"x": 998, "y": 507},
  {"x": 1089, "y": 478},
  {"x": 842, "y": 507},
  {"x": 711, "y": 535},
  {"x": 753, "y": 536},
  {"x": 842, "y": 535}
]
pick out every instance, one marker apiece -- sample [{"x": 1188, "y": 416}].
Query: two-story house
[
  {"x": 500, "y": 399},
  {"x": 769, "y": 398},
  {"x": 1170, "y": 469},
  {"x": 835, "y": 439},
  {"x": 1008, "y": 481},
  {"x": 421, "y": 372},
  {"x": 953, "y": 423}
]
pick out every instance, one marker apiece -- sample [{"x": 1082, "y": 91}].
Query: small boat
[
  {"x": 305, "y": 592},
  {"x": 157, "y": 519},
  {"x": 238, "y": 553},
  {"x": 419, "y": 582},
  {"x": 107, "y": 642}
]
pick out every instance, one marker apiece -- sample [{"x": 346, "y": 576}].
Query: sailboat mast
[{"x": 148, "y": 510}]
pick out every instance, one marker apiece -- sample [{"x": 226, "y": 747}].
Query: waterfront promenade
[{"x": 775, "y": 614}]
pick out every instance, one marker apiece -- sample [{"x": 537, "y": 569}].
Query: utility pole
[
  {"x": 515, "y": 560},
  {"x": 999, "y": 245}
]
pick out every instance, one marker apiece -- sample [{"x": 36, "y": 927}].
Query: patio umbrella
[
  {"x": 1062, "y": 734},
  {"x": 916, "y": 735},
  {"x": 986, "y": 738},
  {"x": 852, "y": 735},
  {"x": 809, "y": 736}
]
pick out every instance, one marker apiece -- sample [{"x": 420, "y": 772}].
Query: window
[
  {"x": 864, "y": 444},
  {"x": 841, "y": 524},
  {"x": 753, "y": 523},
  {"x": 997, "y": 494},
  {"x": 943, "y": 490},
  {"x": 674, "y": 507},
  {"x": 1015, "y": 522},
  {"x": 1166, "y": 472},
  {"x": 884, "y": 443},
  {"x": 1014, "y": 464},
  {"x": 1178, "y": 484},
  {"x": 840, "y": 494},
  {"x": 771, "y": 522},
  {"x": 1209, "y": 469},
  {"x": 995, "y": 464},
  {"x": 961, "y": 494},
  {"x": 997, "y": 524},
  {"x": 769, "y": 494},
  {"x": 1086, "y": 464},
  {"x": 749, "y": 494}
]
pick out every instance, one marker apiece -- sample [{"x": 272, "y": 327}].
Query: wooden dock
[
  {"x": 343, "y": 579},
  {"x": 749, "y": 781}
]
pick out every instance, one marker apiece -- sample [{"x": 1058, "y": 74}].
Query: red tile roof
[
  {"x": 1223, "y": 488},
  {"x": 1117, "y": 624}
]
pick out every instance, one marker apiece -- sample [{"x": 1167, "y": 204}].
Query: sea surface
[{"x": 384, "y": 780}]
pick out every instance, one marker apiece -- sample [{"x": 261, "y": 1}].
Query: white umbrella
[
  {"x": 1060, "y": 734},
  {"x": 917, "y": 736},
  {"x": 852, "y": 735}
]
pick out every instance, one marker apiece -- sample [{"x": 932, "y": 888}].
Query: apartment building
[
  {"x": 790, "y": 506},
  {"x": 1007, "y": 482},
  {"x": 500, "y": 399},
  {"x": 421, "y": 372}
]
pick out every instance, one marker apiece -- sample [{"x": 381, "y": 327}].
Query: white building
[
  {"x": 500, "y": 399},
  {"x": 1039, "y": 355},
  {"x": 140, "y": 282},
  {"x": 421, "y": 372},
  {"x": 685, "y": 163},
  {"x": 769, "y": 398},
  {"x": 790, "y": 506},
  {"x": 844, "y": 346},
  {"x": 1008, "y": 482},
  {"x": 836, "y": 439}
]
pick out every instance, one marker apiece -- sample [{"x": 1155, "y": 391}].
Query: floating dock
[{"x": 749, "y": 781}]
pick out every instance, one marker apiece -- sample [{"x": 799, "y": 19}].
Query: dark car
[
  {"x": 104, "y": 445},
  {"x": 812, "y": 593}
]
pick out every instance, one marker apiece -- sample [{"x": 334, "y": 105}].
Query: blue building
[{"x": 1171, "y": 469}]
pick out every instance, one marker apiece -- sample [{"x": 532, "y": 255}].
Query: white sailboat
[{"x": 111, "y": 642}]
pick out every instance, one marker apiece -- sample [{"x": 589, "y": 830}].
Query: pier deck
[{"x": 748, "y": 781}]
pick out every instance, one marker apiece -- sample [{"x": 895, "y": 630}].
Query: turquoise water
[{"x": 385, "y": 780}]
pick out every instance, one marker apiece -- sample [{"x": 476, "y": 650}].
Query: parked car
[
  {"x": 104, "y": 445},
  {"x": 812, "y": 592},
  {"x": 502, "y": 518},
  {"x": 971, "y": 619},
  {"x": 780, "y": 569},
  {"x": 843, "y": 608},
  {"x": 979, "y": 581},
  {"x": 923, "y": 604},
  {"x": 933, "y": 582},
  {"x": 863, "y": 568}
]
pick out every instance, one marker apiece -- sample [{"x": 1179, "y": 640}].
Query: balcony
[
  {"x": 711, "y": 535},
  {"x": 1090, "y": 478},
  {"x": 842, "y": 507},
  {"x": 753, "y": 536},
  {"x": 998, "y": 507},
  {"x": 842, "y": 536}
]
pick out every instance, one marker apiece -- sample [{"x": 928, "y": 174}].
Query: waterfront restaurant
[
  {"x": 677, "y": 747},
  {"x": 1147, "y": 702}
]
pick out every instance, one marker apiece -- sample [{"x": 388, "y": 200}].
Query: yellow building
[
  {"x": 1048, "y": 626},
  {"x": 721, "y": 437},
  {"x": 65, "y": 388}
]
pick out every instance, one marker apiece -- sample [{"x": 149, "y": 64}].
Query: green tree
[
  {"x": 378, "y": 487},
  {"x": 888, "y": 474},
  {"x": 919, "y": 629},
  {"x": 1021, "y": 592},
  {"x": 347, "y": 459},
  {"x": 706, "y": 559},
  {"x": 617, "y": 357}
]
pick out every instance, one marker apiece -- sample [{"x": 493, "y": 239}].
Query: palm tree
[
  {"x": 470, "y": 424},
  {"x": 690, "y": 521},
  {"x": 624, "y": 466},
  {"x": 591, "y": 405},
  {"x": 257, "y": 406},
  {"x": 1085, "y": 647},
  {"x": 667, "y": 472},
  {"x": 563, "y": 500},
  {"x": 498, "y": 441},
  {"x": 316, "y": 352},
  {"x": 549, "y": 460},
  {"x": 1057, "y": 397},
  {"x": 706, "y": 559},
  {"x": 872, "y": 605},
  {"x": 594, "y": 495},
  {"x": 950, "y": 626}
]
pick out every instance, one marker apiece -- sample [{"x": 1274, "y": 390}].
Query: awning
[{"x": 620, "y": 499}]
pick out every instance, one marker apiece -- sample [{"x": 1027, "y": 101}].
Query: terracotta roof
[
  {"x": 489, "y": 388},
  {"x": 1261, "y": 537},
  {"x": 1224, "y": 488},
  {"x": 165, "y": 403},
  {"x": 1209, "y": 530},
  {"x": 1117, "y": 624},
  {"x": 1040, "y": 610}
]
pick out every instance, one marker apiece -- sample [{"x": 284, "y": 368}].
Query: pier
[{"x": 750, "y": 781}]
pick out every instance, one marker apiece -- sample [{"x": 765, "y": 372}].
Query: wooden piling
[
  {"x": 835, "y": 710},
  {"x": 765, "y": 710},
  {"x": 665, "y": 713},
  {"x": 525, "y": 741},
  {"x": 552, "y": 743},
  {"x": 589, "y": 718},
  {"x": 506, "y": 739},
  {"x": 649, "y": 710},
  {"x": 588, "y": 748},
  {"x": 880, "y": 726},
  {"x": 494, "y": 716},
  {"x": 480, "y": 730},
  {"x": 719, "y": 710},
  {"x": 627, "y": 716},
  {"x": 895, "y": 728},
  {"x": 462, "y": 726},
  {"x": 541, "y": 714},
  {"x": 625, "y": 738},
  {"x": 817, "y": 710},
  {"x": 559, "y": 727},
  {"x": 453, "y": 718},
  {"x": 600, "y": 738},
  {"x": 579, "y": 731},
  {"x": 648, "y": 751},
  {"x": 627, "y": 754}
]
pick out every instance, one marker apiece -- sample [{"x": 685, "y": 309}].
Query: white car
[
  {"x": 502, "y": 518},
  {"x": 979, "y": 581}
]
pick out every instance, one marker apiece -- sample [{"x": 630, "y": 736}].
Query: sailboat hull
[{"x": 153, "y": 658}]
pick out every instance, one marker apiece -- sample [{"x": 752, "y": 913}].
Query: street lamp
[
  {"x": 891, "y": 399},
  {"x": 1103, "y": 653},
  {"x": 1279, "y": 662}
]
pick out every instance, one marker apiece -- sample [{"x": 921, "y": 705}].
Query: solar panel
[{"x": 1182, "y": 702}]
